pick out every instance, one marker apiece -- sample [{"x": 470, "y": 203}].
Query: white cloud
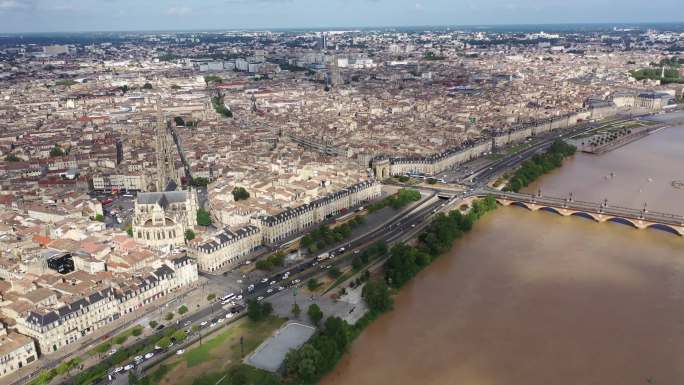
[
  {"x": 179, "y": 11},
  {"x": 10, "y": 4}
]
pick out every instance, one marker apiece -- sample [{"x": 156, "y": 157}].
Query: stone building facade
[
  {"x": 56, "y": 326},
  {"x": 16, "y": 351},
  {"x": 160, "y": 219}
]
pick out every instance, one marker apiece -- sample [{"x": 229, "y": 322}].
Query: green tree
[
  {"x": 239, "y": 193},
  {"x": 56, "y": 151},
  {"x": 263, "y": 264},
  {"x": 132, "y": 378},
  {"x": 211, "y": 297},
  {"x": 315, "y": 313},
  {"x": 180, "y": 335},
  {"x": 203, "y": 217},
  {"x": 312, "y": 284},
  {"x": 168, "y": 316},
  {"x": 11, "y": 158},
  {"x": 136, "y": 331},
  {"x": 153, "y": 324},
  {"x": 164, "y": 342},
  {"x": 189, "y": 235},
  {"x": 296, "y": 310},
  {"x": 257, "y": 311},
  {"x": 99, "y": 218},
  {"x": 377, "y": 296},
  {"x": 182, "y": 310},
  {"x": 239, "y": 375},
  {"x": 199, "y": 182},
  {"x": 129, "y": 230}
]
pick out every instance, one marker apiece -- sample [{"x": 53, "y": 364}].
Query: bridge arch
[
  {"x": 520, "y": 204},
  {"x": 622, "y": 221},
  {"x": 666, "y": 228},
  {"x": 582, "y": 214},
  {"x": 550, "y": 210}
]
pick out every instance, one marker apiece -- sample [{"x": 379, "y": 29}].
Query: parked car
[
  {"x": 180, "y": 351},
  {"x": 149, "y": 355}
]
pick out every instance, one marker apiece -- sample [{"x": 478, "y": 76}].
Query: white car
[
  {"x": 239, "y": 297},
  {"x": 112, "y": 352},
  {"x": 264, "y": 280},
  {"x": 138, "y": 358},
  {"x": 180, "y": 351},
  {"x": 280, "y": 288},
  {"x": 259, "y": 298},
  {"x": 221, "y": 320},
  {"x": 117, "y": 370},
  {"x": 229, "y": 315},
  {"x": 269, "y": 291},
  {"x": 272, "y": 283},
  {"x": 212, "y": 325},
  {"x": 129, "y": 367},
  {"x": 204, "y": 323},
  {"x": 149, "y": 355}
]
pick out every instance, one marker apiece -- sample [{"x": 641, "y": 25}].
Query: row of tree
[
  {"x": 274, "y": 260},
  {"x": 320, "y": 354},
  {"x": 219, "y": 107},
  {"x": 326, "y": 236},
  {"x": 406, "y": 261},
  {"x": 540, "y": 165},
  {"x": 403, "y": 197}
]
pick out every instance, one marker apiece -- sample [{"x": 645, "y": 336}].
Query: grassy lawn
[{"x": 218, "y": 353}]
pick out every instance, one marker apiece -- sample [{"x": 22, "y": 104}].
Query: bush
[
  {"x": 136, "y": 331},
  {"x": 153, "y": 324},
  {"x": 168, "y": 316},
  {"x": 182, "y": 310}
]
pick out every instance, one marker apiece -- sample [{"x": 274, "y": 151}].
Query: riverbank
[
  {"x": 539, "y": 165},
  {"x": 308, "y": 364}
]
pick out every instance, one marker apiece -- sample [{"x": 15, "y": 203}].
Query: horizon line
[{"x": 335, "y": 28}]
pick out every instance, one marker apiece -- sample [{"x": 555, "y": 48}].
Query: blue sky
[{"x": 107, "y": 15}]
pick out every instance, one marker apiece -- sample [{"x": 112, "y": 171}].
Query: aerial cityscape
[{"x": 281, "y": 195}]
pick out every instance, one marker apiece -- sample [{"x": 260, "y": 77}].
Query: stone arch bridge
[{"x": 598, "y": 212}]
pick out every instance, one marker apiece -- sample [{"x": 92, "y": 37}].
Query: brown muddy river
[{"x": 538, "y": 299}]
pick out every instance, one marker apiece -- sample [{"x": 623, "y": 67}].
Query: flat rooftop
[{"x": 271, "y": 353}]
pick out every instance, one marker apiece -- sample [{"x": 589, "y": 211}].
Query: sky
[{"x": 125, "y": 15}]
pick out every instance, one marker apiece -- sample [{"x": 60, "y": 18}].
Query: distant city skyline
[{"x": 135, "y": 15}]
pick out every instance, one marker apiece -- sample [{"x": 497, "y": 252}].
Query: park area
[{"x": 217, "y": 356}]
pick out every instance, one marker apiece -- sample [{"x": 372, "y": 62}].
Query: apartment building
[
  {"x": 226, "y": 248},
  {"x": 16, "y": 351},
  {"x": 293, "y": 221},
  {"x": 56, "y": 325}
]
